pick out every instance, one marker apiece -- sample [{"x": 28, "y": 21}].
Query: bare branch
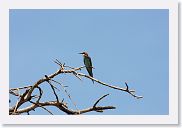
[
  {"x": 63, "y": 108},
  {"x": 97, "y": 109},
  {"x": 41, "y": 107},
  {"x": 25, "y": 87},
  {"x": 52, "y": 88},
  {"x": 111, "y": 86},
  {"x": 65, "y": 91},
  {"x": 99, "y": 100},
  {"x": 13, "y": 93},
  {"x": 132, "y": 92},
  {"x": 27, "y": 95}
]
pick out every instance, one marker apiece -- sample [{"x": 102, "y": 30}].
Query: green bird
[{"x": 88, "y": 63}]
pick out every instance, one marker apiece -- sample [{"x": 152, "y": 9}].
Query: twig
[
  {"x": 25, "y": 87},
  {"x": 111, "y": 86},
  {"x": 77, "y": 76},
  {"x": 131, "y": 92},
  {"x": 99, "y": 100},
  {"x": 20, "y": 101},
  {"x": 13, "y": 93},
  {"x": 94, "y": 106},
  {"x": 65, "y": 91},
  {"x": 52, "y": 88},
  {"x": 60, "y": 64},
  {"x": 42, "y": 107}
]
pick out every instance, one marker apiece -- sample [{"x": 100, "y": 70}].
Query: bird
[{"x": 88, "y": 63}]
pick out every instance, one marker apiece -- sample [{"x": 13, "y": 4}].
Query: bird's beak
[{"x": 80, "y": 53}]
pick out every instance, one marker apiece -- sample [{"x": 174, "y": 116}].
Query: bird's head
[{"x": 84, "y": 53}]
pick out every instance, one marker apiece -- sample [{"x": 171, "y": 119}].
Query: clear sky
[{"x": 125, "y": 45}]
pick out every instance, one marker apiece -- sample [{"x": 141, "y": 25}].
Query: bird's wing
[
  {"x": 88, "y": 61},
  {"x": 89, "y": 71}
]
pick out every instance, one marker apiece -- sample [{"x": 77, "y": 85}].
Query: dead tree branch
[
  {"x": 28, "y": 90},
  {"x": 63, "y": 107}
]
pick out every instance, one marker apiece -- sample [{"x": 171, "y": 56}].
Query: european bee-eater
[{"x": 88, "y": 63}]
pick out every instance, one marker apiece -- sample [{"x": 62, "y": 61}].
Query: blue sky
[{"x": 125, "y": 45}]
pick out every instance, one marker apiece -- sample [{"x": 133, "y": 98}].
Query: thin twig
[
  {"x": 42, "y": 107},
  {"x": 52, "y": 88},
  {"x": 25, "y": 87},
  {"x": 112, "y": 86},
  {"x": 99, "y": 100},
  {"x": 65, "y": 91}
]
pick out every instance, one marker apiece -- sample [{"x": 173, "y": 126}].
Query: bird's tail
[
  {"x": 90, "y": 72},
  {"x": 93, "y": 81}
]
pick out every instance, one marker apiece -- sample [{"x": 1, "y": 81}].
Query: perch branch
[{"x": 131, "y": 92}]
